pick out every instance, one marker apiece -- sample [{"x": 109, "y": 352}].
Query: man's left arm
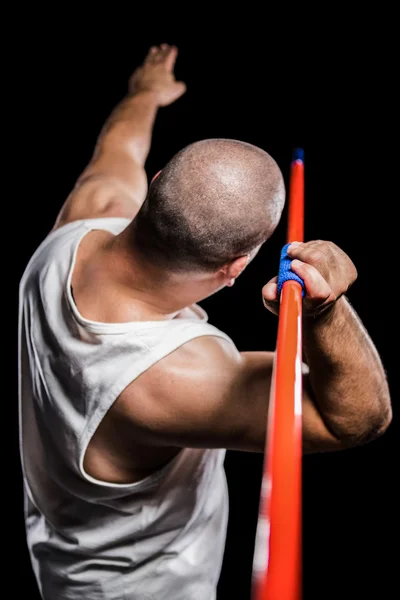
[{"x": 114, "y": 184}]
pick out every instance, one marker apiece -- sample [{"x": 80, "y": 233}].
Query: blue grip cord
[{"x": 285, "y": 272}]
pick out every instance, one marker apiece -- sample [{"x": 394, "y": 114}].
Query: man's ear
[
  {"x": 155, "y": 176},
  {"x": 234, "y": 269},
  {"x": 239, "y": 265}
]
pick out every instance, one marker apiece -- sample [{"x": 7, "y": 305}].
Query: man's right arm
[{"x": 207, "y": 394}]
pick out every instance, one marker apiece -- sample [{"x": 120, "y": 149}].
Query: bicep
[{"x": 112, "y": 185}]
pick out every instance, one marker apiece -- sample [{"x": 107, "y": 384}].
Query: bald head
[{"x": 215, "y": 200}]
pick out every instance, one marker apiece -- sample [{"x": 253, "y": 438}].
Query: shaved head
[{"x": 216, "y": 200}]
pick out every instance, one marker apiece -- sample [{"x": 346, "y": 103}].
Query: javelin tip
[{"x": 298, "y": 154}]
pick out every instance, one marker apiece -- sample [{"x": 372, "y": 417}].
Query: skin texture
[
  {"x": 207, "y": 393},
  {"x": 214, "y": 181}
]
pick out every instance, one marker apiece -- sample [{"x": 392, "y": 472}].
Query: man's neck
[{"x": 162, "y": 295}]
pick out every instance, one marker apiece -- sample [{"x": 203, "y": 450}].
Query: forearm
[
  {"x": 348, "y": 381},
  {"x": 130, "y": 126}
]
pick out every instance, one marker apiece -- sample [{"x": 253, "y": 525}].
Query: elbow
[
  {"x": 120, "y": 137},
  {"x": 382, "y": 420},
  {"x": 373, "y": 423},
  {"x": 382, "y": 414}
]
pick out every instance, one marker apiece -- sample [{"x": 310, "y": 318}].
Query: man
[{"x": 128, "y": 396}]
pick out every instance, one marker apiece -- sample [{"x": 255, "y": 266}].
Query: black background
[{"x": 329, "y": 89}]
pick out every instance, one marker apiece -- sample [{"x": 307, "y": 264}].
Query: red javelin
[{"x": 277, "y": 556}]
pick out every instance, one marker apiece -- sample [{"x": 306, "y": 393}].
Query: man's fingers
[
  {"x": 151, "y": 54},
  {"x": 270, "y": 296},
  {"x": 270, "y": 290},
  {"x": 163, "y": 54},
  {"x": 325, "y": 270},
  {"x": 170, "y": 57},
  {"x": 157, "y": 54},
  {"x": 330, "y": 261},
  {"x": 317, "y": 288}
]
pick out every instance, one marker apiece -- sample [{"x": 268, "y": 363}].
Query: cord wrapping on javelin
[{"x": 285, "y": 271}]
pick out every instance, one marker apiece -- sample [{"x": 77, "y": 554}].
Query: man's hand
[
  {"x": 327, "y": 273},
  {"x": 156, "y": 76}
]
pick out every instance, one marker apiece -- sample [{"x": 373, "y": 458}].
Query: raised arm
[
  {"x": 114, "y": 184},
  {"x": 207, "y": 394}
]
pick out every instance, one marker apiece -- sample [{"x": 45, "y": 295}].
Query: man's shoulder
[
  {"x": 193, "y": 359},
  {"x": 194, "y": 366},
  {"x": 204, "y": 351},
  {"x": 112, "y": 224}
]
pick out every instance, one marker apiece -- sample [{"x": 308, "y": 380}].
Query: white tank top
[{"x": 160, "y": 538}]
